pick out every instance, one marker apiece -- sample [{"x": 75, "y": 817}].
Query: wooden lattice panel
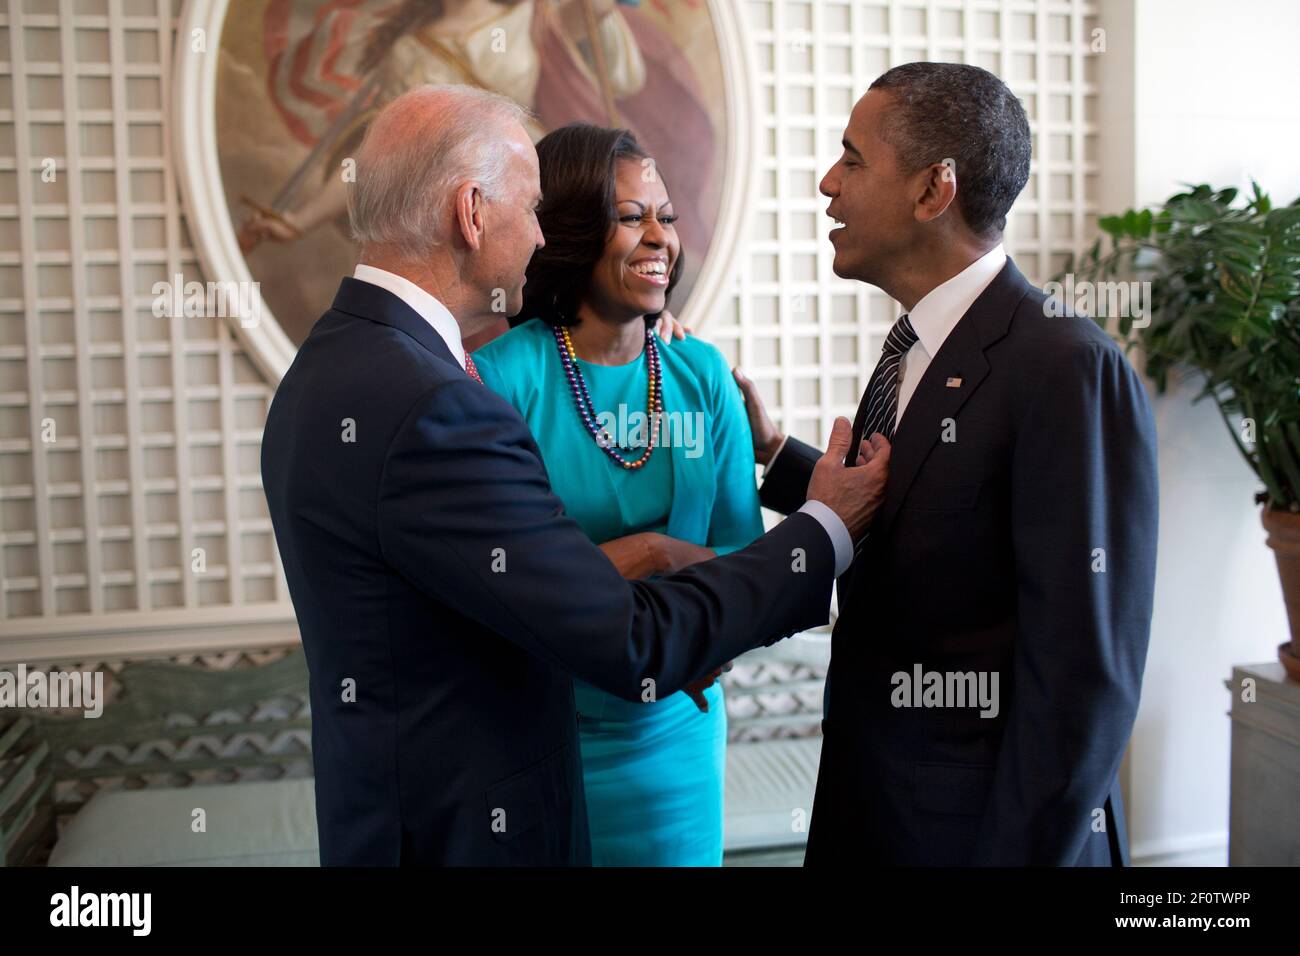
[
  {"x": 808, "y": 338},
  {"x": 127, "y": 440}
]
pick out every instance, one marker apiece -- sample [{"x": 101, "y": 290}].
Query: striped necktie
[{"x": 879, "y": 408}]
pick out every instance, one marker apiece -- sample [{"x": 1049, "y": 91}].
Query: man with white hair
[{"x": 443, "y": 596}]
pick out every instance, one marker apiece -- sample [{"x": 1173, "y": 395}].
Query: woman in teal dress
[{"x": 587, "y": 374}]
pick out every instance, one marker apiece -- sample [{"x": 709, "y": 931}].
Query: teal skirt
[{"x": 653, "y": 775}]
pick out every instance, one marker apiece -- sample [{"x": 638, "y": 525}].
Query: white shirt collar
[
  {"x": 425, "y": 305},
  {"x": 939, "y": 311}
]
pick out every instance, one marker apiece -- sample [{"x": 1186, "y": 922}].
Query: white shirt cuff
[
  {"x": 771, "y": 461},
  {"x": 839, "y": 534}
]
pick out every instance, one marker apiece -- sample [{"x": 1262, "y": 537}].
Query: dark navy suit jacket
[
  {"x": 1017, "y": 537},
  {"x": 445, "y": 599}
]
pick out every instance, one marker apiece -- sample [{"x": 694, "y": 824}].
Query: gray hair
[{"x": 420, "y": 147}]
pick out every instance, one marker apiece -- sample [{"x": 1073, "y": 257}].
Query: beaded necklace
[{"x": 587, "y": 411}]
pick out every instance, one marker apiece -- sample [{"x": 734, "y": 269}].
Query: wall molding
[{"x": 138, "y": 635}]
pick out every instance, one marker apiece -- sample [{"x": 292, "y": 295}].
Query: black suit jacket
[
  {"x": 444, "y": 599},
  {"x": 1017, "y": 537}
]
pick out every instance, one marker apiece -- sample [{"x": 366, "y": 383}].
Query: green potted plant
[{"x": 1224, "y": 303}]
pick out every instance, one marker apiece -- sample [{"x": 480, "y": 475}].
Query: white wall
[{"x": 1214, "y": 101}]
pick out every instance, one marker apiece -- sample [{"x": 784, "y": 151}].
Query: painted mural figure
[{"x": 330, "y": 66}]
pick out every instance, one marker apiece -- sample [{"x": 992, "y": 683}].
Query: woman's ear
[{"x": 469, "y": 214}]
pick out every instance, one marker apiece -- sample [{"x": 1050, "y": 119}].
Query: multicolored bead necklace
[{"x": 582, "y": 398}]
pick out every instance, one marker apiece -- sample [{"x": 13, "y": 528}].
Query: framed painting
[{"x": 272, "y": 96}]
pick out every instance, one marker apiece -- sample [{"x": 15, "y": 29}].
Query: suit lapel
[
  {"x": 960, "y": 358},
  {"x": 953, "y": 376}
]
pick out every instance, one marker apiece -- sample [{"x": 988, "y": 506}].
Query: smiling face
[
  {"x": 871, "y": 199},
  {"x": 630, "y": 280}
]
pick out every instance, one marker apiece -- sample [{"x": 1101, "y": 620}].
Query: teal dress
[{"x": 653, "y": 772}]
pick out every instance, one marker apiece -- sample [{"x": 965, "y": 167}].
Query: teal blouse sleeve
[{"x": 736, "y": 520}]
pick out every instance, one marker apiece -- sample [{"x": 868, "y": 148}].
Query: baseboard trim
[{"x": 1200, "y": 849}]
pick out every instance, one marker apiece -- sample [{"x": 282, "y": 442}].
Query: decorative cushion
[
  {"x": 767, "y": 781},
  {"x": 257, "y": 823}
]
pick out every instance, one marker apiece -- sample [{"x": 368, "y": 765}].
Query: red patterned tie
[{"x": 471, "y": 369}]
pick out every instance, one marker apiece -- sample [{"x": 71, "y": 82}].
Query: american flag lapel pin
[{"x": 954, "y": 382}]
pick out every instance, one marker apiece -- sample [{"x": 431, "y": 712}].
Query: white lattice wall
[
  {"x": 127, "y": 441},
  {"x": 808, "y": 338},
  {"x": 156, "y": 421}
]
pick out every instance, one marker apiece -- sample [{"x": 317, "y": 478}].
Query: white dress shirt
[
  {"x": 425, "y": 305},
  {"x": 933, "y": 319},
  {"x": 937, "y": 314}
]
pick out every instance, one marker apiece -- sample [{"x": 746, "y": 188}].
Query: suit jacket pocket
[
  {"x": 538, "y": 794},
  {"x": 951, "y": 788}
]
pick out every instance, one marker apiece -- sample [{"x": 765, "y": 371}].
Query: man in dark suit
[
  {"x": 988, "y": 656},
  {"x": 443, "y": 596}
]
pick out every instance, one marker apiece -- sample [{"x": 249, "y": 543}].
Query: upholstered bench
[
  {"x": 273, "y": 823},
  {"x": 772, "y": 694},
  {"x": 122, "y": 789},
  {"x": 256, "y": 823},
  {"x": 769, "y": 793},
  {"x": 774, "y": 702}
]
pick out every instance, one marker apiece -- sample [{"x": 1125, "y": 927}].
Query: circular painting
[{"x": 275, "y": 95}]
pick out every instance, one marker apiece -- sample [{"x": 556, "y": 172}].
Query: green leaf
[{"x": 1112, "y": 225}]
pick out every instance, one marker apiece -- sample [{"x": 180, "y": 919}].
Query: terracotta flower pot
[{"x": 1283, "y": 529}]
